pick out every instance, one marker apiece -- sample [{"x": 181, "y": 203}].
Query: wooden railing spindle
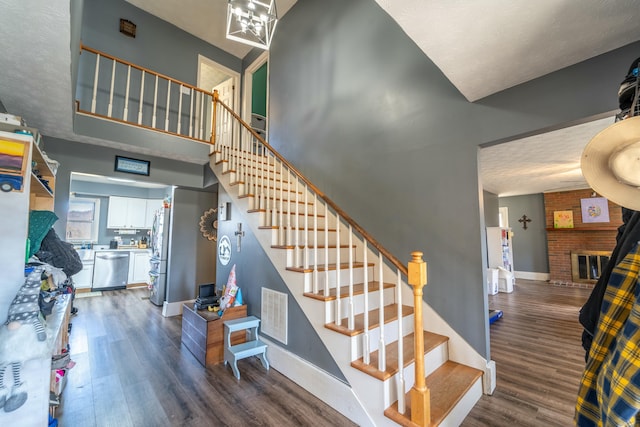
[
  {"x": 338, "y": 314},
  {"x": 351, "y": 319},
  {"x": 125, "y": 113},
  {"x": 113, "y": 79},
  {"x": 366, "y": 349},
  {"x": 315, "y": 245},
  {"x": 382, "y": 352},
  {"x": 141, "y": 98},
  {"x": 400, "y": 377},
  {"x": 166, "y": 117},
  {"x": 95, "y": 85}
]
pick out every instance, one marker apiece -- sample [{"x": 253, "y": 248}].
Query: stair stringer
[{"x": 371, "y": 394}]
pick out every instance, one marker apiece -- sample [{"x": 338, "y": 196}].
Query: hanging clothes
[{"x": 609, "y": 393}]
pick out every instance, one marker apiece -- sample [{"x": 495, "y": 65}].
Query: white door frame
[
  {"x": 248, "y": 86},
  {"x": 234, "y": 75}
]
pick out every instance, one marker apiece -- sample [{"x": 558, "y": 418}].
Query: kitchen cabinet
[
  {"x": 126, "y": 212},
  {"x": 84, "y": 278},
  {"x": 139, "y": 266},
  {"x": 131, "y": 212}
]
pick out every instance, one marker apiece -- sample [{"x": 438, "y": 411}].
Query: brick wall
[{"x": 589, "y": 236}]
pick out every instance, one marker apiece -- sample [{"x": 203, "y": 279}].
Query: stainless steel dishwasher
[{"x": 110, "y": 270}]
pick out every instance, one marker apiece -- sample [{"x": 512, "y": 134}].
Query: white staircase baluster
[
  {"x": 297, "y": 218},
  {"x": 351, "y": 320},
  {"x": 113, "y": 78},
  {"x": 288, "y": 240},
  {"x": 326, "y": 249},
  {"x": 202, "y": 118},
  {"x": 274, "y": 203},
  {"x": 191, "y": 92},
  {"x": 400, "y": 379},
  {"x": 281, "y": 231},
  {"x": 166, "y": 117},
  {"x": 95, "y": 84},
  {"x": 180, "y": 96},
  {"x": 315, "y": 244},
  {"x": 338, "y": 314},
  {"x": 155, "y": 104},
  {"x": 125, "y": 113},
  {"x": 366, "y": 348},
  {"x": 306, "y": 227},
  {"x": 141, "y": 98},
  {"x": 382, "y": 360}
]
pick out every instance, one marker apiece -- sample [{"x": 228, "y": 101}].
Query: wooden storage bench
[{"x": 202, "y": 332}]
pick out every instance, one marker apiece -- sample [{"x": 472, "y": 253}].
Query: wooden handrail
[
  {"x": 146, "y": 70},
  {"x": 396, "y": 262}
]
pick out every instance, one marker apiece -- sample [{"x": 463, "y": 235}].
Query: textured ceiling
[
  {"x": 483, "y": 47},
  {"x": 487, "y": 46}
]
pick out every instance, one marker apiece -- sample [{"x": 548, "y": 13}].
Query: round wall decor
[{"x": 209, "y": 224}]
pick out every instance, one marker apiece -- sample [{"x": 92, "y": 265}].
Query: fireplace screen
[{"x": 586, "y": 266}]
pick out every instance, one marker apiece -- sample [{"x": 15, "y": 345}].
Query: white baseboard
[
  {"x": 530, "y": 275},
  {"x": 321, "y": 384},
  {"x": 489, "y": 378},
  {"x": 174, "y": 308}
]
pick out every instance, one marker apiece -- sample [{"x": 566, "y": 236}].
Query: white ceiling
[{"x": 483, "y": 47}]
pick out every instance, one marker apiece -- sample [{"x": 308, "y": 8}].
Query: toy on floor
[{"x": 494, "y": 316}]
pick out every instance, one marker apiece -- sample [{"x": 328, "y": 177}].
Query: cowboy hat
[{"x": 611, "y": 163}]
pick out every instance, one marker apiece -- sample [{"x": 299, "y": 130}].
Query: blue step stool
[{"x": 253, "y": 347}]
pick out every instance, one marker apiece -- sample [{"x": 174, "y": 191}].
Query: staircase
[{"x": 353, "y": 288}]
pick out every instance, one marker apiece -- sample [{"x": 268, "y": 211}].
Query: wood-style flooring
[
  {"x": 131, "y": 369},
  {"x": 539, "y": 357}
]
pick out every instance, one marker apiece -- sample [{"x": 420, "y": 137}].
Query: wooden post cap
[{"x": 417, "y": 271}]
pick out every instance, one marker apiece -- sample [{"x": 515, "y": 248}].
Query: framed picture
[
  {"x": 127, "y": 165},
  {"x": 595, "y": 209},
  {"x": 563, "y": 219}
]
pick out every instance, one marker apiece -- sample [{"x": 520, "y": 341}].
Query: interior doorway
[{"x": 255, "y": 101}]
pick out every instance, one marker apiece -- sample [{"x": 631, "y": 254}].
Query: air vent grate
[{"x": 274, "y": 314}]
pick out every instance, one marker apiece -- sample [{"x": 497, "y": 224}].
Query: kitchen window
[{"x": 83, "y": 218}]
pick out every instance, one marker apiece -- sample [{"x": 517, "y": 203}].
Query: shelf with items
[{"x": 600, "y": 228}]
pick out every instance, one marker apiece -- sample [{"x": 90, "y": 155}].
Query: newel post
[
  {"x": 213, "y": 119},
  {"x": 420, "y": 395}
]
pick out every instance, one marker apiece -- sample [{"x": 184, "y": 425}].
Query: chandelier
[{"x": 252, "y": 22}]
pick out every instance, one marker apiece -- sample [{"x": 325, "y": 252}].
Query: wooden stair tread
[
  {"x": 447, "y": 385},
  {"x": 358, "y": 289},
  {"x": 330, "y": 267},
  {"x": 431, "y": 341},
  {"x": 390, "y": 314}
]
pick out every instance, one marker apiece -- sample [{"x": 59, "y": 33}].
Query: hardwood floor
[
  {"x": 131, "y": 369},
  {"x": 539, "y": 357}
]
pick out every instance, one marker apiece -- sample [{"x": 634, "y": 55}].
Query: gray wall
[
  {"x": 191, "y": 256},
  {"x": 491, "y": 212},
  {"x": 529, "y": 246},
  {"x": 360, "y": 110},
  {"x": 86, "y": 158},
  {"x": 254, "y": 270}
]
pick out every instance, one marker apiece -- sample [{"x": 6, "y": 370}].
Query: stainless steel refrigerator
[{"x": 159, "y": 250}]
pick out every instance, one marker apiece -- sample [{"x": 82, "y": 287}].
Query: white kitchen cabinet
[
  {"x": 83, "y": 278},
  {"x": 126, "y": 212},
  {"x": 152, "y": 206},
  {"x": 139, "y": 266}
]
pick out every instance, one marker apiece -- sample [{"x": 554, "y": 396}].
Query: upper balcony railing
[{"x": 114, "y": 89}]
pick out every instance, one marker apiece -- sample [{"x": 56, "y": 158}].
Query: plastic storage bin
[{"x": 506, "y": 280}]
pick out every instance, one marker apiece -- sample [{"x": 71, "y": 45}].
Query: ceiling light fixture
[{"x": 252, "y": 22}]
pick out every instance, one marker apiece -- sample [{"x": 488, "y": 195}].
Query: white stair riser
[
  {"x": 344, "y": 277},
  {"x": 281, "y": 237},
  {"x": 272, "y": 218},
  {"x": 358, "y": 303},
  {"x": 390, "y": 336},
  {"x": 322, "y": 255}
]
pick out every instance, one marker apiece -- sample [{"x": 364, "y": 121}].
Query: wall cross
[{"x": 524, "y": 220}]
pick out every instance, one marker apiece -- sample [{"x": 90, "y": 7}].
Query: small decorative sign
[
  {"x": 224, "y": 250},
  {"x": 127, "y": 165},
  {"x": 595, "y": 209},
  {"x": 563, "y": 219},
  {"x": 127, "y": 28}
]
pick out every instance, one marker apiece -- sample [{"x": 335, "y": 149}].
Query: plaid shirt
[{"x": 609, "y": 393}]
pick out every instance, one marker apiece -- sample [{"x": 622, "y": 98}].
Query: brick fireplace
[{"x": 582, "y": 238}]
